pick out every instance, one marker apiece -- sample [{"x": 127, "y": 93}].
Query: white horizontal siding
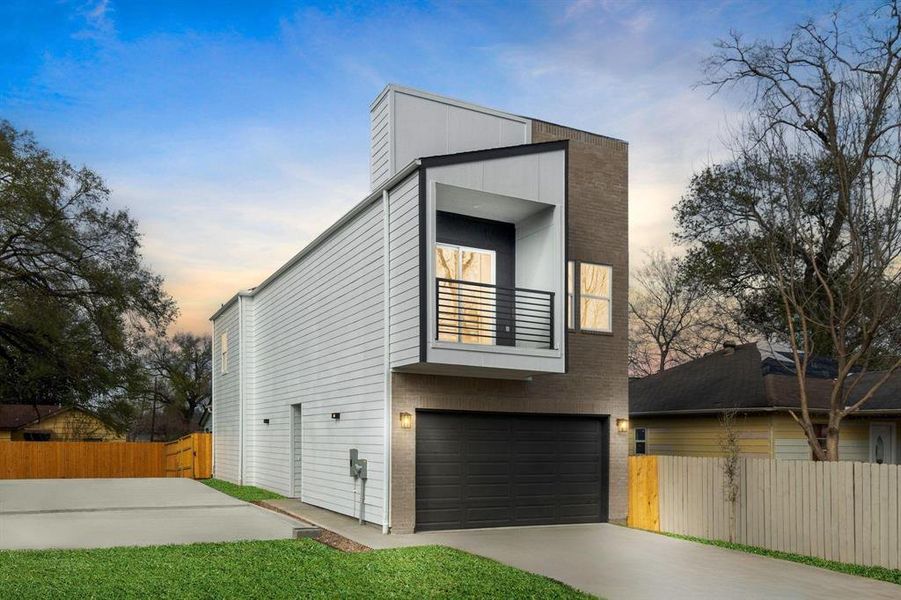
[
  {"x": 380, "y": 142},
  {"x": 319, "y": 342},
  {"x": 226, "y": 398},
  {"x": 403, "y": 251}
]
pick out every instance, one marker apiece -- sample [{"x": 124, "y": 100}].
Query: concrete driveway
[
  {"x": 97, "y": 513},
  {"x": 620, "y": 563}
]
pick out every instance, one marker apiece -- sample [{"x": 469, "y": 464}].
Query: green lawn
[
  {"x": 881, "y": 573},
  {"x": 248, "y": 493},
  {"x": 277, "y": 569}
]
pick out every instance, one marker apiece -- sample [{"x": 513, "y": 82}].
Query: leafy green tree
[{"x": 75, "y": 295}]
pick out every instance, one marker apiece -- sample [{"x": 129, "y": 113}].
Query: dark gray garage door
[{"x": 495, "y": 470}]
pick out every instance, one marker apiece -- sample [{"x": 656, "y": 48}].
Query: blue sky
[{"x": 235, "y": 132}]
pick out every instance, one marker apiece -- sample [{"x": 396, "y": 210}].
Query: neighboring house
[
  {"x": 464, "y": 328},
  {"x": 51, "y": 422},
  {"x": 679, "y": 411}
]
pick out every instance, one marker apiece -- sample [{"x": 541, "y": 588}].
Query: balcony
[{"x": 471, "y": 312}]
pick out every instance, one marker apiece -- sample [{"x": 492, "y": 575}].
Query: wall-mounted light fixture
[
  {"x": 622, "y": 425},
  {"x": 336, "y": 416},
  {"x": 406, "y": 420},
  {"x": 265, "y": 421}
]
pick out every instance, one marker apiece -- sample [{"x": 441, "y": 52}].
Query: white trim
[
  {"x": 495, "y": 349},
  {"x": 386, "y": 324},
  {"x": 212, "y": 405},
  {"x": 241, "y": 402}
]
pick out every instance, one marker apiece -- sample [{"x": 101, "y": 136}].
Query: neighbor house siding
[
  {"x": 380, "y": 142},
  {"x": 791, "y": 443},
  {"x": 226, "y": 403},
  {"x": 702, "y": 436},
  {"x": 404, "y": 275},
  {"x": 71, "y": 425},
  {"x": 319, "y": 342}
]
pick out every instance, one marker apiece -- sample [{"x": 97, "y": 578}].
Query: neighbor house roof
[
  {"x": 886, "y": 398},
  {"x": 744, "y": 378},
  {"x": 750, "y": 378},
  {"x": 16, "y": 416}
]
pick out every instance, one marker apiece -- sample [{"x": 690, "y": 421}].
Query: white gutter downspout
[
  {"x": 213, "y": 396},
  {"x": 386, "y": 317},
  {"x": 241, "y": 407}
]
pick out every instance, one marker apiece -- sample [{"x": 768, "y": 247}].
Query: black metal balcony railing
[{"x": 481, "y": 313}]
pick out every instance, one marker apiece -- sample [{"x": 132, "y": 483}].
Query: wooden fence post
[{"x": 644, "y": 501}]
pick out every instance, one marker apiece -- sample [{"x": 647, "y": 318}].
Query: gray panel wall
[
  {"x": 319, "y": 341},
  {"x": 404, "y": 271},
  {"x": 380, "y": 142},
  {"x": 226, "y": 415}
]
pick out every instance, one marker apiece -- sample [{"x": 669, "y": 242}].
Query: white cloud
[{"x": 625, "y": 73}]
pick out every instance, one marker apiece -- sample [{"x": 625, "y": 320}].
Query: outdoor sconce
[
  {"x": 265, "y": 421},
  {"x": 622, "y": 425},
  {"x": 406, "y": 420},
  {"x": 336, "y": 416}
]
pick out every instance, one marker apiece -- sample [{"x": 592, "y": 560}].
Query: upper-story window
[
  {"x": 223, "y": 353},
  {"x": 591, "y": 307}
]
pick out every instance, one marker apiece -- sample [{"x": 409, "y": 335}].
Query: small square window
[{"x": 641, "y": 441}]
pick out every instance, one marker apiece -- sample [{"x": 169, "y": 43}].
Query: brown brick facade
[{"x": 597, "y": 380}]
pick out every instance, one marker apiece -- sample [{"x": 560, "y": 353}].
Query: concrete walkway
[
  {"x": 619, "y": 563},
  {"x": 98, "y": 513}
]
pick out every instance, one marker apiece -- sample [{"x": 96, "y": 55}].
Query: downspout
[
  {"x": 386, "y": 322},
  {"x": 213, "y": 378},
  {"x": 241, "y": 407}
]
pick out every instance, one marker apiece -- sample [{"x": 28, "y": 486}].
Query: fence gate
[{"x": 190, "y": 456}]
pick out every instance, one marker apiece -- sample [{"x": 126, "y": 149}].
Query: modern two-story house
[{"x": 462, "y": 329}]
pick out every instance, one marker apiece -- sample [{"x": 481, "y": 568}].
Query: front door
[{"x": 882, "y": 443}]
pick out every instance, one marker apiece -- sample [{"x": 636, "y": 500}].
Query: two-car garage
[{"x": 497, "y": 469}]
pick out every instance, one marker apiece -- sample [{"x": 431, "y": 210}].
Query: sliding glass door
[{"x": 466, "y": 313}]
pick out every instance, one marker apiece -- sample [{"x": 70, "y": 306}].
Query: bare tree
[
  {"x": 729, "y": 445},
  {"x": 811, "y": 201},
  {"x": 673, "y": 319},
  {"x": 179, "y": 375}
]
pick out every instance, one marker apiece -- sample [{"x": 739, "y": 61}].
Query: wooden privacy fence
[
  {"x": 71, "y": 460},
  {"x": 844, "y": 511},
  {"x": 190, "y": 456}
]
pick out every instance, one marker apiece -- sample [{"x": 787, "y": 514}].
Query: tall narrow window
[
  {"x": 641, "y": 440},
  {"x": 571, "y": 294},
  {"x": 594, "y": 297},
  {"x": 223, "y": 352},
  {"x": 466, "y": 294}
]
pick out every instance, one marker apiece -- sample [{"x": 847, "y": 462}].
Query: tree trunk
[{"x": 832, "y": 442}]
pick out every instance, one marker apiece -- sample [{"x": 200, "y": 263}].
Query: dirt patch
[{"x": 330, "y": 538}]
